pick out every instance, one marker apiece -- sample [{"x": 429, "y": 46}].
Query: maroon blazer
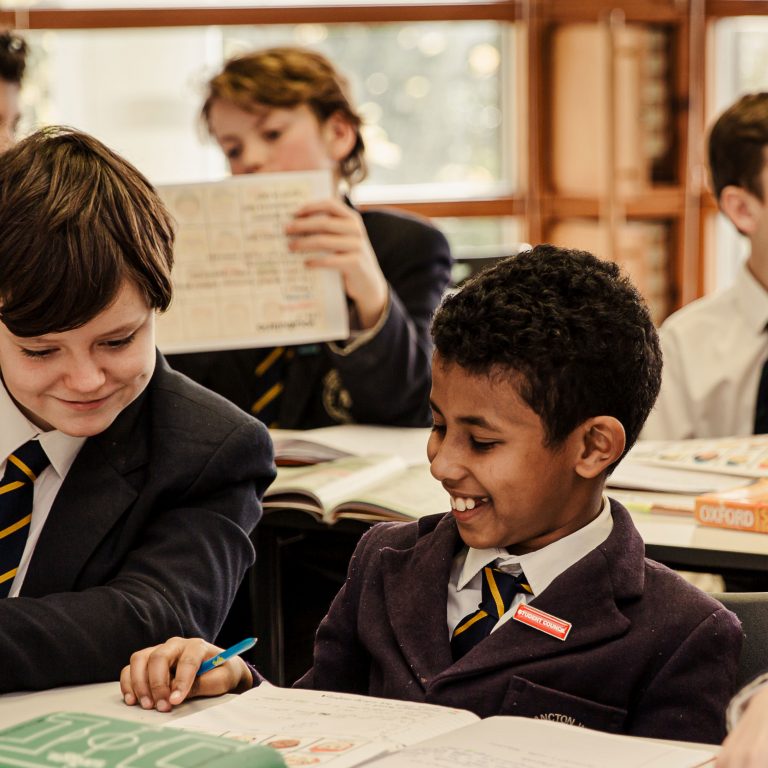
[{"x": 648, "y": 654}]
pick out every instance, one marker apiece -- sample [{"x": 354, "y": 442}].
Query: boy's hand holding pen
[{"x": 163, "y": 676}]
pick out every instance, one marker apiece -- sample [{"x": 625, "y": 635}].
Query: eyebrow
[
  {"x": 472, "y": 421},
  {"x": 125, "y": 329}
]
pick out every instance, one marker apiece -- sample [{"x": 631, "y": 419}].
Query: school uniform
[
  {"x": 647, "y": 654},
  {"x": 146, "y": 537},
  {"x": 380, "y": 376}
]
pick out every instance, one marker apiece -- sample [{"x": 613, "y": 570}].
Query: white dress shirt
[
  {"x": 714, "y": 350},
  {"x": 541, "y": 567},
  {"x": 61, "y": 449}
]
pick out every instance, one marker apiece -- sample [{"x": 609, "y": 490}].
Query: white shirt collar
[
  {"x": 752, "y": 299},
  {"x": 17, "y": 429},
  {"x": 544, "y": 565}
]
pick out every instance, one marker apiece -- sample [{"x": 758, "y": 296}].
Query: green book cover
[{"x": 77, "y": 740}]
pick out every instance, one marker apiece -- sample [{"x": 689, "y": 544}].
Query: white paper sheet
[
  {"x": 514, "y": 742},
  {"x": 318, "y": 727},
  {"x": 236, "y": 283}
]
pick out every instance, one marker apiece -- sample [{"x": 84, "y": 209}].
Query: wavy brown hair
[{"x": 288, "y": 77}]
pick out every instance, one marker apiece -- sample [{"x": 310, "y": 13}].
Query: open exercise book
[
  {"x": 355, "y": 472},
  {"x": 341, "y": 730},
  {"x": 668, "y": 475},
  {"x": 236, "y": 281}
]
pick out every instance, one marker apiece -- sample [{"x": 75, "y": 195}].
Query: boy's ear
[
  {"x": 339, "y": 135},
  {"x": 741, "y": 207},
  {"x": 603, "y": 441}
]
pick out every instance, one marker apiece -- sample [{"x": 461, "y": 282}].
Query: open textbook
[
  {"x": 342, "y": 730},
  {"x": 311, "y": 446},
  {"x": 355, "y": 471},
  {"x": 236, "y": 282},
  {"x": 373, "y": 488}
]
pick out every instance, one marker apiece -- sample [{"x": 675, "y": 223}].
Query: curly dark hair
[
  {"x": 572, "y": 329},
  {"x": 736, "y": 145},
  {"x": 13, "y": 57}
]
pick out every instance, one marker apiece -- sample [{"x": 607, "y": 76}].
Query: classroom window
[{"x": 433, "y": 96}]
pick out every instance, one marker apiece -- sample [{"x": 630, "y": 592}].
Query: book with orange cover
[{"x": 742, "y": 509}]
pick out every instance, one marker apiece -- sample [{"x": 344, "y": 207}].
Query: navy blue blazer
[
  {"x": 148, "y": 537},
  {"x": 648, "y": 654},
  {"x": 386, "y": 380}
]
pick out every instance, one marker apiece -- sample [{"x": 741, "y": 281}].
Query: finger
[
  {"x": 329, "y": 206},
  {"x": 323, "y": 243},
  {"x": 321, "y": 224},
  {"x": 126, "y": 688},
  {"x": 184, "y": 683},
  {"x": 139, "y": 681}
]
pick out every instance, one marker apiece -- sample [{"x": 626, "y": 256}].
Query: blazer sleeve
[
  {"x": 340, "y": 662},
  {"x": 388, "y": 376},
  {"x": 703, "y": 669},
  {"x": 178, "y": 560}
]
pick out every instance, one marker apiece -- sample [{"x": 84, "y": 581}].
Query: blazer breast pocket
[{"x": 527, "y": 699}]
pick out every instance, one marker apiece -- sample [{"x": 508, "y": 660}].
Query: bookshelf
[{"x": 616, "y": 110}]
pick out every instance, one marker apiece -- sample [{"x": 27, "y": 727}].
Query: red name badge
[{"x": 544, "y": 622}]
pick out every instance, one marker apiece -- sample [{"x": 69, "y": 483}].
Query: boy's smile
[{"x": 487, "y": 449}]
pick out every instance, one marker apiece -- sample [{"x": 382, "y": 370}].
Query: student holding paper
[
  {"x": 288, "y": 109},
  {"x": 128, "y": 492},
  {"x": 533, "y": 596}
]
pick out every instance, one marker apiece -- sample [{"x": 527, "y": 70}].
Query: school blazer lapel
[
  {"x": 415, "y": 586},
  {"x": 94, "y": 494},
  {"x": 587, "y": 595}
]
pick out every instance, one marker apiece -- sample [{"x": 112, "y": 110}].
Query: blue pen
[{"x": 235, "y": 650}]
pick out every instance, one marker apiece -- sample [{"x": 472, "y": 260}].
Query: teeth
[{"x": 461, "y": 504}]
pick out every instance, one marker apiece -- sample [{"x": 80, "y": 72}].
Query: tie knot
[
  {"x": 499, "y": 590},
  {"x": 30, "y": 460}
]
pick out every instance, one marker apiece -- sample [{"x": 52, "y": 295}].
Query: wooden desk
[
  {"x": 104, "y": 699},
  {"x": 96, "y": 699},
  {"x": 680, "y": 543},
  {"x": 301, "y": 564}
]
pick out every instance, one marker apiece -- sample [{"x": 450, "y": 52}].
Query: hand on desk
[
  {"x": 747, "y": 744},
  {"x": 162, "y": 676}
]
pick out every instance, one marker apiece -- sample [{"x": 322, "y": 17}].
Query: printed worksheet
[
  {"x": 323, "y": 728},
  {"x": 236, "y": 283},
  {"x": 514, "y": 742}
]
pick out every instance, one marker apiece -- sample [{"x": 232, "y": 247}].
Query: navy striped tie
[
  {"x": 268, "y": 384},
  {"x": 498, "y": 593},
  {"x": 16, "y": 492}
]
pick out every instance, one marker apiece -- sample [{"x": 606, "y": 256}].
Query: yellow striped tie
[
  {"x": 16, "y": 496},
  {"x": 497, "y": 595},
  {"x": 268, "y": 384}
]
